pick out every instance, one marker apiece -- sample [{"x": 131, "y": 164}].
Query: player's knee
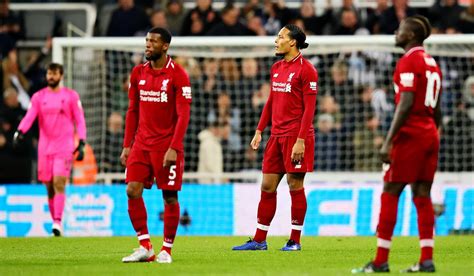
[
  {"x": 268, "y": 187},
  {"x": 134, "y": 190},
  {"x": 170, "y": 197}
]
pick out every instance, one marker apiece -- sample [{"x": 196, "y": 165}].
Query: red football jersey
[
  {"x": 159, "y": 105},
  {"x": 291, "y": 81},
  {"x": 417, "y": 72}
]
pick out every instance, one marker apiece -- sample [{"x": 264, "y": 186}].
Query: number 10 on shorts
[{"x": 172, "y": 175}]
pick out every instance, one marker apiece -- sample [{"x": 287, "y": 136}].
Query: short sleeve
[{"x": 408, "y": 74}]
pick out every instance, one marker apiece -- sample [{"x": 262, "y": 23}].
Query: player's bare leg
[
  {"x": 138, "y": 217},
  {"x": 266, "y": 212},
  {"x": 421, "y": 192},
  {"x": 298, "y": 210},
  {"x": 171, "y": 221},
  {"x": 387, "y": 221},
  {"x": 59, "y": 198}
]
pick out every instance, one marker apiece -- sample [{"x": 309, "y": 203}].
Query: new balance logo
[
  {"x": 142, "y": 82},
  {"x": 406, "y": 79},
  {"x": 275, "y": 75},
  {"x": 313, "y": 85}
]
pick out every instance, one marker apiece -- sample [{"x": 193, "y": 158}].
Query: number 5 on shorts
[{"x": 172, "y": 175}]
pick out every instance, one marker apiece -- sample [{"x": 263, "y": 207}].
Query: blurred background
[{"x": 226, "y": 48}]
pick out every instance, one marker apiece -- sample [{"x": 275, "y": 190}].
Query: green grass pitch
[{"x": 212, "y": 256}]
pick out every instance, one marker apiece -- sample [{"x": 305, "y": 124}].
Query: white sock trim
[
  {"x": 144, "y": 237},
  {"x": 384, "y": 243},
  {"x": 167, "y": 244},
  {"x": 297, "y": 227},
  {"x": 427, "y": 243},
  {"x": 263, "y": 227}
]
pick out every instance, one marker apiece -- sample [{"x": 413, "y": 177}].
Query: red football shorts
[
  {"x": 145, "y": 166},
  {"x": 50, "y": 166},
  {"x": 277, "y": 156},
  {"x": 414, "y": 158}
]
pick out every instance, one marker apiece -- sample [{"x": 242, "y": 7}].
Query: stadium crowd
[{"x": 355, "y": 101}]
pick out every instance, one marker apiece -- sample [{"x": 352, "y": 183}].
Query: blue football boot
[
  {"x": 251, "y": 245},
  {"x": 291, "y": 245}
]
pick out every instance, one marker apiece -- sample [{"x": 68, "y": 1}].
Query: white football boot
[
  {"x": 57, "y": 230},
  {"x": 164, "y": 258},
  {"x": 140, "y": 254}
]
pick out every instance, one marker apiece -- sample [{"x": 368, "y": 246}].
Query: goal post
[{"x": 355, "y": 84}]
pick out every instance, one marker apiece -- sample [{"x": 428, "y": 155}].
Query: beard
[
  {"x": 154, "y": 57},
  {"x": 53, "y": 83}
]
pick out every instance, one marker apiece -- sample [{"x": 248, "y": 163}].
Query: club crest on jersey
[
  {"x": 142, "y": 82},
  {"x": 164, "y": 84},
  {"x": 406, "y": 79},
  {"x": 290, "y": 77}
]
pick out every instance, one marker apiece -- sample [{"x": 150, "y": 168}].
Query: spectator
[
  {"x": 349, "y": 23},
  {"x": 327, "y": 152},
  {"x": 127, "y": 19},
  {"x": 191, "y": 65},
  {"x": 210, "y": 151},
  {"x": 466, "y": 20},
  {"x": 15, "y": 162},
  {"x": 392, "y": 17},
  {"x": 224, "y": 113},
  {"x": 10, "y": 23},
  {"x": 254, "y": 23},
  {"x": 230, "y": 25},
  {"x": 468, "y": 96},
  {"x": 158, "y": 19},
  {"x": 457, "y": 142},
  {"x": 34, "y": 70},
  {"x": 329, "y": 107},
  {"x": 174, "y": 16},
  {"x": 251, "y": 9},
  {"x": 84, "y": 172},
  {"x": 113, "y": 144},
  {"x": 315, "y": 25},
  {"x": 375, "y": 16},
  {"x": 445, "y": 15},
  {"x": 13, "y": 77},
  {"x": 367, "y": 142},
  {"x": 272, "y": 23},
  {"x": 200, "y": 19}
]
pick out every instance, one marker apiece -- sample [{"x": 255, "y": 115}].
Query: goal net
[{"x": 230, "y": 84}]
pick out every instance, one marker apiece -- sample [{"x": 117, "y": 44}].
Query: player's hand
[
  {"x": 257, "y": 138},
  {"x": 124, "y": 156},
  {"x": 170, "y": 157},
  {"x": 18, "y": 137},
  {"x": 297, "y": 153},
  {"x": 80, "y": 150},
  {"x": 385, "y": 152}
]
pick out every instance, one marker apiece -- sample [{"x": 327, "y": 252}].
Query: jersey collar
[
  {"x": 414, "y": 49},
  {"x": 295, "y": 58}
]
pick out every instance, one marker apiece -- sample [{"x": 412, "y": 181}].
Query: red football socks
[
  {"x": 138, "y": 216},
  {"x": 266, "y": 212},
  {"x": 387, "y": 221},
  {"x": 171, "y": 221},
  {"x": 298, "y": 212},
  {"x": 426, "y": 220}
]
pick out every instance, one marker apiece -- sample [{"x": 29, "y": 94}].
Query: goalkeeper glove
[
  {"x": 18, "y": 137},
  {"x": 80, "y": 150}
]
